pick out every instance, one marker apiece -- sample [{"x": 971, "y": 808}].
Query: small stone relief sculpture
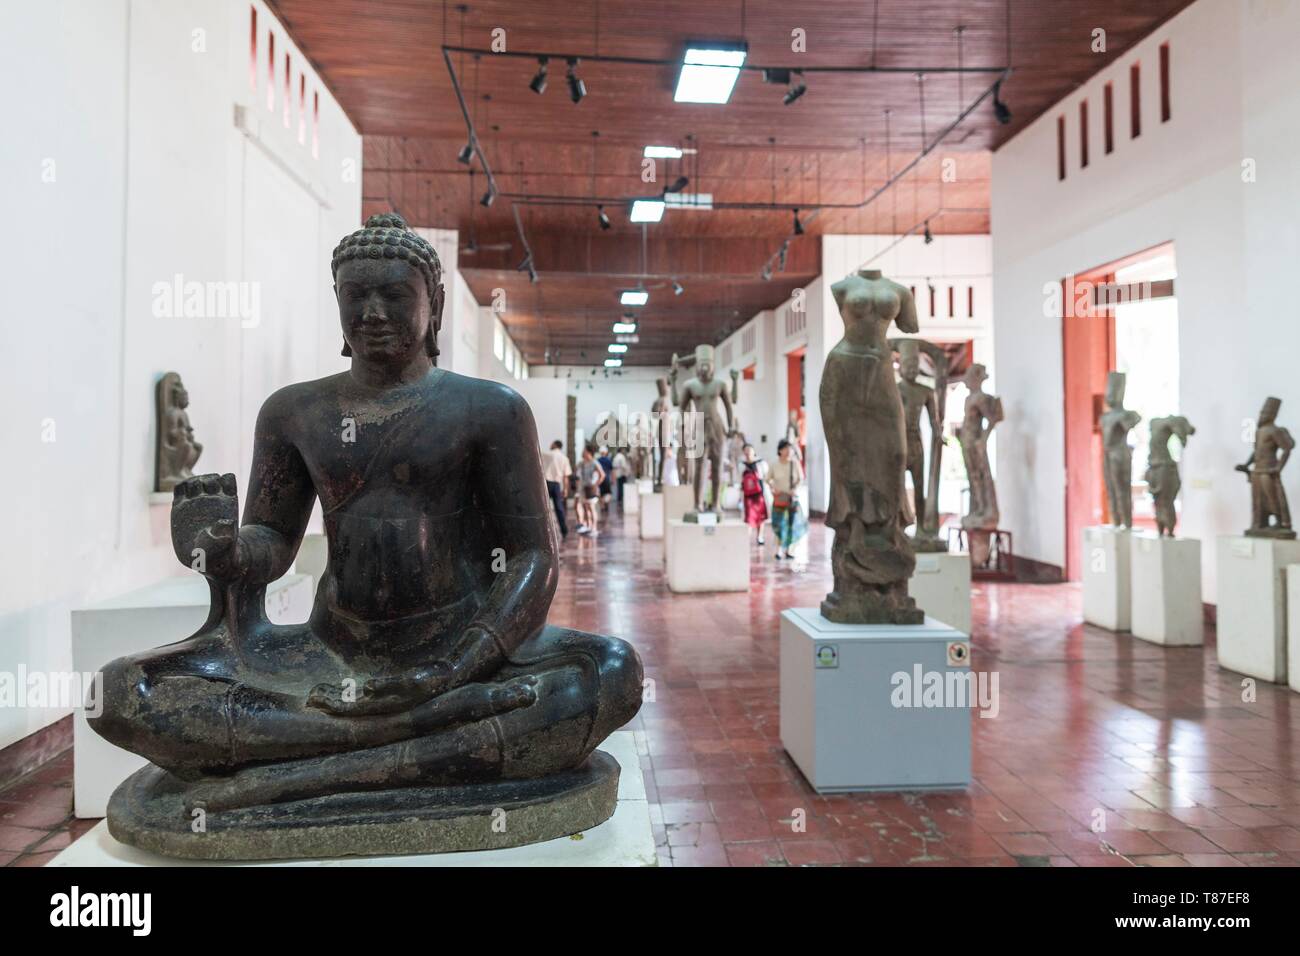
[
  {"x": 705, "y": 435},
  {"x": 871, "y": 557},
  {"x": 919, "y": 398},
  {"x": 176, "y": 451},
  {"x": 1117, "y": 461},
  {"x": 1270, "y": 516},
  {"x": 1162, "y": 477}
]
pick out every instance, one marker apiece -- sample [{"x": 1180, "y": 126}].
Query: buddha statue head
[
  {"x": 1268, "y": 414},
  {"x": 388, "y": 282},
  {"x": 909, "y": 359},
  {"x": 704, "y": 363},
  {"x": 1115, "y": 383}
]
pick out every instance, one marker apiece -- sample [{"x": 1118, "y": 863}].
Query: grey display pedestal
[
  {"x": 876, "y": 706},
  {"x": 1166, "y": 589},
  {"x": 1107, "y": 578},
  {"x": 1251, "y": 613}
]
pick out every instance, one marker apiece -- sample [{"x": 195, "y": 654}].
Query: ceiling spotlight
[
  {"x": 625, "y": 328},
  {"x": 602, "y": 218},
  {"x": 647, "y": 210},
  {"x": 798, "y": 226},
  {"x": 538, "y": 84},
  {"x": 466, "y": 154},
  {"x": 634, "y": 297},
  {"x": 532, "y": 273},
  {"x": 677, "y": 288},
  {"x": 616, "y": 349},
  {"x": 526, "y": 264},
  {"x": 488, "y": 197},
  {"x": 776, "y": 74},
  {"x": 709, "y": 73},
  {"x": 577, "y": 88},
  {"x": 767, "y": 273},
  {"x": 796, "y": 91},
  {"x": 612, "y": 363},
  {"x": 929, "y": 236},
  {"x": 678, "y": 185},
  {"x": 780, "y": 256},
  {"x": 1000, "y": 109}
]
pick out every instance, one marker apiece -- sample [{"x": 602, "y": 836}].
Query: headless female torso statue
[
  {"x": 871, "y": 558},
  {"x": 427, "y": 659},
  {"x": 1162, "y": 471},
  {"x": 1116, "y": 422}
]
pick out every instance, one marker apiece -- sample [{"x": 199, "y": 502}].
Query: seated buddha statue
[{"x": 427, "y": 660}]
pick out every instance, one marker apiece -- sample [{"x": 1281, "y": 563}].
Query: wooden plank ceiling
[{"x": 834, "y": 145}]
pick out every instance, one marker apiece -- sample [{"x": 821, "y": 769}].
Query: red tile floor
[{"x": 1155, "y": 744}]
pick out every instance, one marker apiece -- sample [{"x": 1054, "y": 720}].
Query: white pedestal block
[
  {"x": 1293, "y": 626},
  {"x": 1107, "y": 582},
  {"x": 1166, "y": 589},
  {"x": 941, "y": 586},
  {"x": 678, "y": 499},
  {"x": 652, "y": 516},
  {"x": 707, "y": 557},
  {"x": 1252, "y": 609},
  {"x": 878, "y": 706},
  {"x": 162, "y": 613},
  {"x": 625, "y": 839},
  {"x": 631, "y": 498}
]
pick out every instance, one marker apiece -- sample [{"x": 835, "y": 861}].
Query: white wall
[
  {"x": 1234, "y": 77},
  {"x": 124, "y": 168}
]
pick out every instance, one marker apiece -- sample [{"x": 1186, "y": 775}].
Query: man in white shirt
[{"x": 556, "y": 470}]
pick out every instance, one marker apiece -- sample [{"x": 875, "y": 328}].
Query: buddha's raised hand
[{"x": 205, "y": 526}]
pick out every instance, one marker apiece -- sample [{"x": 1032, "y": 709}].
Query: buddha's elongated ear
[{"x": 435, "y": 324}]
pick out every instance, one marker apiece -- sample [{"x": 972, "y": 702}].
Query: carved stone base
[
  {"x": 925, "y": 543},
  {"x": 148, "y": 811},
  {"x": 872, "y": 607},
  {"x": 1281, "y": 534}
]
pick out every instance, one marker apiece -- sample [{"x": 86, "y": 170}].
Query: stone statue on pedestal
[
  {"x": 704, "y": 434},
  {"x": 1270, "y": 516},
  {"x": 427, "y": 690},
  {"x": 1117, "y": 461},
  {"x": 176, "y": 450},
  {"x": 1162, "y": 471},
  {"x": 661, "y": 413},
  {"x": 981, "y": 415},
  {"x": 871, "y": 557},
  {"x": 917, "y": 399}
]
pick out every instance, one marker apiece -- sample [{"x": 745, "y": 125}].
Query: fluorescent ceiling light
[
  {"x": 647, "y": 210},
  {"x": 617, "y": 349},
  {"x": 613, "y": 363},
  {"x": 709, "y": 74},
  {"x": 624, "y": 328},
  {"x": 689, "y": 200},
  {"x": 634, "y": 297},
  {"x": 662, "y": 152}
]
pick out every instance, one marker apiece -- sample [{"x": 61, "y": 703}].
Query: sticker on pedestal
[
  {"x": 828, "y": 655},
  {"x": 927, "y": 564},
  {"x": 958, "y": 654}
]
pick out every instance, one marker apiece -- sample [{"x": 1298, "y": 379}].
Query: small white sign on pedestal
[
  {"x": 1107, "y": 579},
  {"x": 1166, "y": 589},
  {"x": 652, "y": 516},
  {"x": 1252, "y": 610},
  {"x": 941, "y": 587},
  {"x": 879, "y": 706},
  {"x": 707, "y": 557},
  {"x": 678, "y": 499},
  {"x": 631, "y": 498},
  {"x": 162, "y": 613}
]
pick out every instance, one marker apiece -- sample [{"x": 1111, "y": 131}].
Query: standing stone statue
[
  {"x": 704, "y": 435},
  {"x": 980, "y": 416},
  {"x": 1270, "y": 516},
  {"x": 427, "y": 689},
  {"x": 1116, "y": 422},
  {"x": 1162, "y": 471},
  {"x": 661, "y": 413},
  {"x": 871, "y": 558},
  {"x": 794, "y": 435},
  {"x": 176, "y": 450},
  {"x": 918, "y": 398}
]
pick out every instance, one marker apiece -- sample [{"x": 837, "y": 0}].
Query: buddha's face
[
  {"x": 384, "y": 308},
  {"x": 181, "y": 397}
]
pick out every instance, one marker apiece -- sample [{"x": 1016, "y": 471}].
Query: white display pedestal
[
  {"x": 1107, "y": 579},
  {"x": 625, "y": 839},
  {"x": 707, "y": 557},
  {"x": 678, "y": 499},
  {"x": 1293, "y": 626},
  {"x": 652, "y": 516},
  {"x": 631, "y": 498},
  {"x": 941, "y": 587},
  {"x": 854, "y": 715},
  {"x": 162, "y": 613},
  {"x": 1252, "y": 604},
  {"x": 1166, "y": 589}
]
